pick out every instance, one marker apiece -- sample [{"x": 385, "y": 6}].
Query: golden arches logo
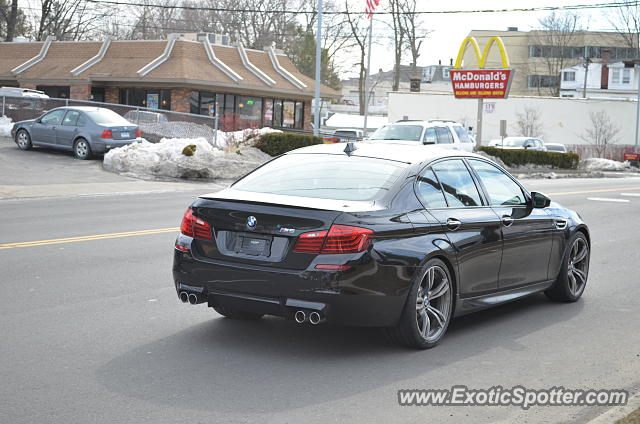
[{"x": 482, "y": 58}]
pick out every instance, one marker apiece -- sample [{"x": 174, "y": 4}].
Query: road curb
[{"x": 618, "y": 412}]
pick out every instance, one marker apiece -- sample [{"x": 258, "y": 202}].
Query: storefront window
[
  {"x": 288, "y": 114},
  {"x": 154, "y": 99},
  {"x": 299, "y": 122},
  {"x": 267, "y": 113},
  {"x": 249, "y": 108},
  {"x": 55, "y": 91},
  {"x": 277, "y": 113}
]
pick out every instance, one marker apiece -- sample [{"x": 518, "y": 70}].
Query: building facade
[
  {"x": 245, "y": 87},
  {"x": 617, "y": 80},
  {"x": 538, "y": 60}
]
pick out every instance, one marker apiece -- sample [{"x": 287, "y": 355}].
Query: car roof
[
  {"x": 398, "y": 152},
  {"x": 430, "y": 123},
  {"x": 84, "y": 108}
]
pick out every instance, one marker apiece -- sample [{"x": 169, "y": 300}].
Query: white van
[{"x": 21, "y": 92}]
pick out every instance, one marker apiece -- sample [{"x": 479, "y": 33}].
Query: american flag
[{"x": 371, "y": 7}]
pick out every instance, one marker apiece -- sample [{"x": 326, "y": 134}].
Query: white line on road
[
  {"x": 630, "y": 194},
  {"x": 608, "y": 199}
]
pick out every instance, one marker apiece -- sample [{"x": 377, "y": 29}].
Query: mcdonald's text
[{"x": 481, "y": 83}]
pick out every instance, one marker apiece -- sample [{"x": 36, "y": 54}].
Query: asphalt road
[{"x": 92, "y": 330}]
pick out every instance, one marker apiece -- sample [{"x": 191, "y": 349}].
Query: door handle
[
  {"x": 561, "y": 223},
  {"x": 507, "y": 221},
  {"x": 453, "y": 224}
]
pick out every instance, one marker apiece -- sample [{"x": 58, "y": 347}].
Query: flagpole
[
  {"x": 316, "y": 112},
  {"x": 366, "y": 79}
]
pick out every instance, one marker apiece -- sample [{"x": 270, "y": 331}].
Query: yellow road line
[
  {"x": 604, "y": 190},
  {"x": 87, "y": 238}
]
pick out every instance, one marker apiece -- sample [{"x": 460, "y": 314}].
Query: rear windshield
[
  {"x": 107, "y": 117},
  {"x": 324, "y": 177},
  {"x": 398, "y": 132}
]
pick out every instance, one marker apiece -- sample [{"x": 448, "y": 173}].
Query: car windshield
[
  {"x": 324, "y": 177},
  {"x": 107, "y": 117},
  {"x": 398, "y": 132}
]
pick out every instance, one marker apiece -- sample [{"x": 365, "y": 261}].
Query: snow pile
[
  {"x": 5, "y": 126},
  {"x": 166, "y": 159},
  {"x": 600, "y": 164}
]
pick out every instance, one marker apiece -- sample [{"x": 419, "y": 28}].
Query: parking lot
[{"x": 92, "y": 327}]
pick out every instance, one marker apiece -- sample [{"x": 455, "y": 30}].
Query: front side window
[
  {"x": 501, "y": 189},
  {"x": 324, "y": 177},
  {"x": 429, "y": 190},
  {"x": 457, "y": 183},
  {"x": 444, "y": 135},
  {"x": 53, "y": 118},
  {"x": 398, "y": 132}
]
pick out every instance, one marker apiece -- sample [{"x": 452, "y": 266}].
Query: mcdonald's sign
[{"x": 481, "y": 83}]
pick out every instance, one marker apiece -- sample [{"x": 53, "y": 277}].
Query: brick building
[{"x": 248, "y": 87}]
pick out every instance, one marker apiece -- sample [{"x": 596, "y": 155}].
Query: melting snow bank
[
  {"x": 599, "y": 164},
  {"x": 166, "y": 159},
  {"x": 5, "y": 126}
]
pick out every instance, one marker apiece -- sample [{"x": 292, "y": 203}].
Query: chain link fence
[{"x": 154, "y": 124}]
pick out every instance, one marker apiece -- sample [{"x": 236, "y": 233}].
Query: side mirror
[{"x": 539, "y": 200}]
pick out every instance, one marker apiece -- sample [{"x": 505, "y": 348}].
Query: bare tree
[
  {"x": 626, "y": 21},
  {"x": 602, "y": 133},
  {"x": 414, "y": 32},
  {"x": 397, "y": 25},
  {"x": 67, "y": 19},
  {"x": 529, "y": 122},
  {"x": 555, "y": 42},
  {"x": 358, "y": 29}
]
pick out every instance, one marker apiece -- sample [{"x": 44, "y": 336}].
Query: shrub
[
  {"x": 275, "y": 144},
  {"x": 518, "y": 157}
]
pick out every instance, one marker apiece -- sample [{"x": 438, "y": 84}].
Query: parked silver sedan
[{"x": 84, "y": 130}]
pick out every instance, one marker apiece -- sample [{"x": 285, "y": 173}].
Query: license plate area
[
  {"x": 125, "y": 134},
  {"x": 253, "y": 244}
]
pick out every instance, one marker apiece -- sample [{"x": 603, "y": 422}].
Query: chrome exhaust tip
[
  {"x": 314, "y": 318},
  {"x": 300, "y": 317},
  {"x": 184, "y": 297},
  {"x": 193, "y": 299}
]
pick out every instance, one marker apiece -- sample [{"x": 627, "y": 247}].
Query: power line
[{"x": 614, "y": 4}]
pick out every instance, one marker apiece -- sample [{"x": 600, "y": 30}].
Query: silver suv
[{"x": 448, "y": 134}]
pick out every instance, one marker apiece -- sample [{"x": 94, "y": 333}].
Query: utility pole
[
  {"x": 366, "y": 79},
  {"x": 587, "y": 62},
  {"x": 317, "y": 100},
  {"x": 479, "y": 123}
]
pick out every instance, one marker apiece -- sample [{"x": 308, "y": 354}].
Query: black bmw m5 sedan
[{"x": 393, "y": 236}]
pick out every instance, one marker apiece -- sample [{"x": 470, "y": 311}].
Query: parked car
[
  {"x": 145, "y": 116},
  {"x": 556, "y": 147},
  {"x": 527, "y": 143},
  {"x": 346, "y": 134},
  {"x": 400, "y": 237},
  {"x": 21, "y": 92},
  {"x": 84, "y": 130},
  {"x": 447, "y": 134}
]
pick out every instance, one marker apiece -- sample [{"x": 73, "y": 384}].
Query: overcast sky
[{"x": 448, "y": 31}]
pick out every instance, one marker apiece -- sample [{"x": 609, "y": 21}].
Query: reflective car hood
[{"x": 303, "y": 202}]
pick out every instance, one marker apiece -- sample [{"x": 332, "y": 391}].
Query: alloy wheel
[
  {"x": 578, "y": 266},
  {"x": 23, "y": 140},
  {"x": 82, "y": 149},
  {"x": 433, "y": 303}
]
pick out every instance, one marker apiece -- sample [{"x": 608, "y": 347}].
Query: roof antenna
[{"x": 350, "y": 148}]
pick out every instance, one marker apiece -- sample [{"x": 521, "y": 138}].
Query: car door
[
  {"x": 471, "y": 227},
  {"x": 67, "y": 131},
  {"x": 526, "y": 232},
  {"x": 43, "y": 130},
  {"x": 445, "y": 138}
]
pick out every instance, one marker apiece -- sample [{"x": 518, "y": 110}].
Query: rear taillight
[
  {"x": 106, "y": 134},
  {"x": 138, "y": 133},
  {"x": 192, "y": 226},
  {"x": 339, "y": 239}
]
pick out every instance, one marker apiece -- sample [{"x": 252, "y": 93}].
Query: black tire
[
  {"x": 411, "y": 329},
  {"x": 82, "y": 149},
  {"x": 574, "y": 273},
  {"x": 23, "y": 140},
  {"x": 236, "y": 314}
]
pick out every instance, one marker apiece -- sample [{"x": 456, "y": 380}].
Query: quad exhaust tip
[
  {"x": 314, "y": 318},
  {"x": 300, "y": 317},
  {"x": 184, "y": 297},
  {"x": 193, "y": 299}
]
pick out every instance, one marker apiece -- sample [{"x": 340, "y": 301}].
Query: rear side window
[
  {"x": 324, "y": 177},
  {"x": 463, "y": 135},
  {"x": 444, "y": 135},
  {"x": 457, "y": 183},
  {"x": 429, "y": 190},
  {"x": 71, "y": 118},
  {"x": 430, "y": 136}
]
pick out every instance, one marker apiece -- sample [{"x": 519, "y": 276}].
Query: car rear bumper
[
  {"x": 103, "y": 146},
  {"x": 356, "y": 297}
]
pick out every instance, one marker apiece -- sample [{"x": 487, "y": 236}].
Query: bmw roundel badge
[{"x": 251, "y": 221}]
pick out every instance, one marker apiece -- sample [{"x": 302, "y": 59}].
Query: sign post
[{"x": 481, "y": 83}]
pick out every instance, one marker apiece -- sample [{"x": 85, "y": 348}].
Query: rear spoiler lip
[{"x": 231, "y": 195}]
